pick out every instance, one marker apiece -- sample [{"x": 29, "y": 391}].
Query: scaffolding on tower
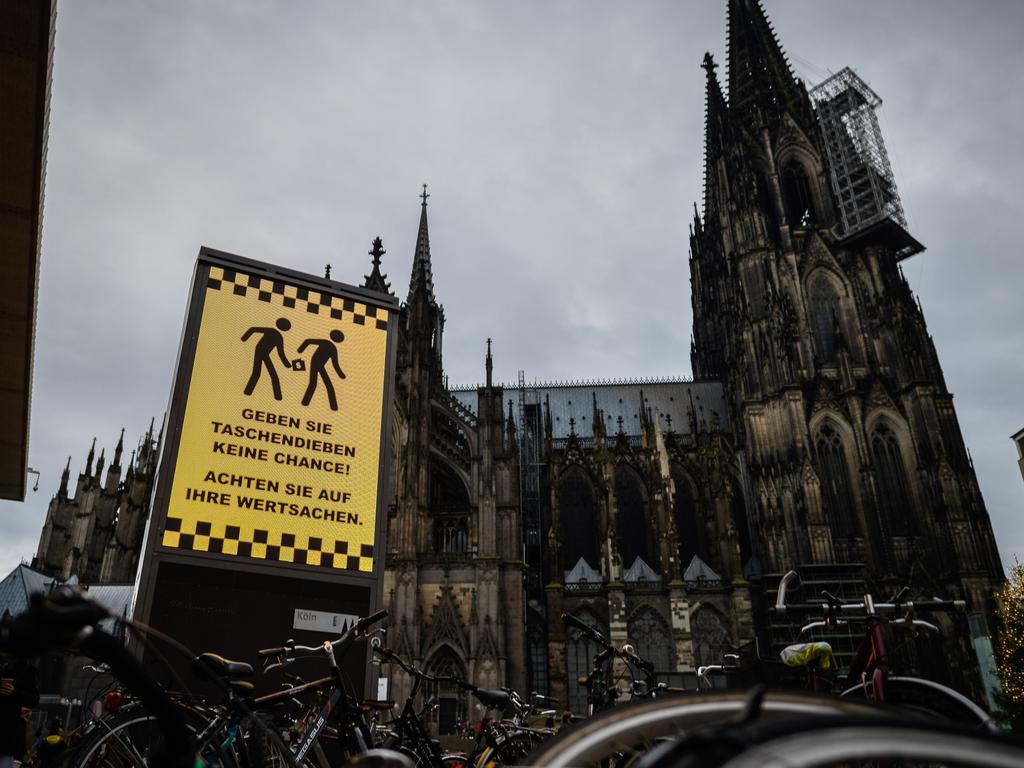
[{"x": 862, "y": 179}]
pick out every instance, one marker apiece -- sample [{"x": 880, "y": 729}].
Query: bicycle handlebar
[
  {"x": 586, "y": 629},
  {"x": 887, "y": 609},
  {"x": 341, "y": 645}
]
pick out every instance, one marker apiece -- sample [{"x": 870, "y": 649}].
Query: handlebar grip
[{"x": 373, "y": 618}]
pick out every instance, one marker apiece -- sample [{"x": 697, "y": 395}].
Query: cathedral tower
[
  {"x": 453, "y": 578},
  {"x": 836, "y": 395}
]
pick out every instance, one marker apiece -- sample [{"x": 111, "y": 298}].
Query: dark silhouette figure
[
  {"x": 270, "y": 341},
  {"x": 325, "y": 352}
]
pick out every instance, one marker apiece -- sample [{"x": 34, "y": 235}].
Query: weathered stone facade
[{"x": 96, "y": 534}]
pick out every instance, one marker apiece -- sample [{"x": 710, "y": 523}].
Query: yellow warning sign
[{"x": 280, "y": 443}]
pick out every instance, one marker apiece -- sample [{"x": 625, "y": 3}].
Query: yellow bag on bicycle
[{"x": 808, "y": 654}]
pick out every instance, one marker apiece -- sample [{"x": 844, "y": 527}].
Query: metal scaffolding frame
[
  {"x": 862, "y": 178},
  {"x": 531, "y": 441},
  {"x": 531, "y": 437}
]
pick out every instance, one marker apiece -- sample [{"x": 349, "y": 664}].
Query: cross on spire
[{"x": 424, "y": 196}]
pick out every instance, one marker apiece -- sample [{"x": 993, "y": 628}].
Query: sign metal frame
[{"x": 154, "y": 554}]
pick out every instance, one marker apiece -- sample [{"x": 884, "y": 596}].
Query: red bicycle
[{"x": 870, "y": 675}]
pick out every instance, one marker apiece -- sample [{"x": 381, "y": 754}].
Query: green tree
[{"x": 1010, "y": 648}]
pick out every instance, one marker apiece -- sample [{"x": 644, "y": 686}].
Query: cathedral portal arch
[{"x": 452, "y": 703}]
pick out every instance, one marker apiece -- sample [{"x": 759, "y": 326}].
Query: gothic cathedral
[{"x": 817, "y": 434}]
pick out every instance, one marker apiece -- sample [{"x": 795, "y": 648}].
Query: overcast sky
[{"x": 562, "y": 142}]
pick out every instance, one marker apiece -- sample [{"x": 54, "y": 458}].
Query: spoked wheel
[{"x": 622, "y": 734}]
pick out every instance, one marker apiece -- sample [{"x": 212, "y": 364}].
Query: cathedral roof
[
  {"x": 18, "y": 585},
  {"x": 572, "y": 403}
]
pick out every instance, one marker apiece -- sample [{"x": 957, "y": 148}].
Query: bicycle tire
[
  {"x": 929, "y": 699},
  {"x": 512, "y": 749},
  {"x": 125, "y": 739},
  {"x": 128, "y": 737},
  {"x": 631, "y": 729},
  {"x": 906, "y": 742}
]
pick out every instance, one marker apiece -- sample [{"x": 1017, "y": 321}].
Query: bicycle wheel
[
  {"x": 133, "y": 737},
  {"x": 127, "y": 738},
  {"x": 852, "y": 745},
  {"x": 629, "y": 731},
  {"x": 930, "y": 700}
]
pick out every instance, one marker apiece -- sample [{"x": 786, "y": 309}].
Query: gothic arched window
[
  {"x": 578, "y": 516},
  {"x": 796, "y": 191},
  {"x": 579, "y": 653},
  {"x": 448, "y": 494},
  {"x": 652, "y": 640},
  {"x": 709, "y": 637},
  {"x": 834, "y": 474},
  {"x": 633, "y": 521},
  {"x": 767, "y": 201},
  {"x": 689, "y": 527},
  {"x": 825, "y": 315},
  {"x": 451, "y": 535},
  {"x": 890, "y": 474},
  {"x": 538, "y": 656}
]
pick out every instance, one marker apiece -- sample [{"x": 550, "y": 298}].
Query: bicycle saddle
[
  {"x": 206, "y": 664},
  {"x": 497, "y": 698}
]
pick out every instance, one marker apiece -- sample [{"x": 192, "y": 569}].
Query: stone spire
[
  {"x": 422, "y": 282},
  {"x": 92, "y": 454},
  {"x": 63, "y": 491},
  {"x": 714, "y": 129},
  {"x": 760, "y": 79},
  {"x": 118, "y": 451},
  {"x": 489, "y": 365},
  {"x": 376, "y": 281}
]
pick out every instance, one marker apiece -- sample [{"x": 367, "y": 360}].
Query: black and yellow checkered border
[
  {"x": 217, "y": 538},
  {"x": 293, "y": 297}
]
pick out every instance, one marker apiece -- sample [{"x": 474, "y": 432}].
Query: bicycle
[
  {"x": 870, "y": 675},
  {"x": 604, "y": 687},
  {"x": 499, "y": 741}
]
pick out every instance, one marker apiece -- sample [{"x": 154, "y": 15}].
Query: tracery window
[
  {"x": 538, "y": 649},
  {"x": 890, "y": 474},
  {"x": 834, "y": 475},
  {"x": 825, "y": 314},
  {"x": 689, "y": 529},
  {"x": 451, "y": 535},
  {"x": 579, "y": 653},
  {"x": 652, "y": 640},
  {"x": 709, "y": 637},
  {"x": 634, "y": 520},
  {"x": 578, "y": 518},
  {"x": 796, "y": 191}
]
